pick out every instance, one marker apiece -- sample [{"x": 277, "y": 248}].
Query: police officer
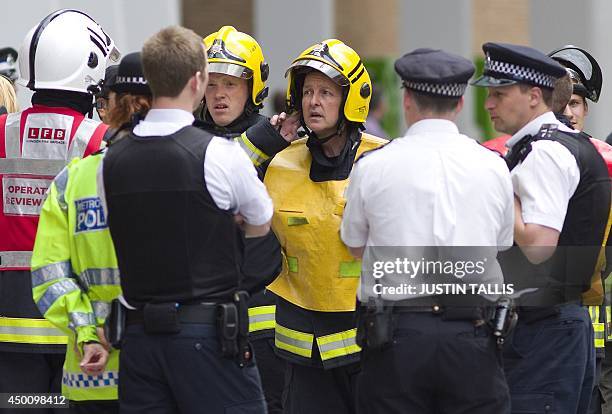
[
  {"x": 74, "y": 245},
  {"x": 35, "y": 144},
  {"x": 174, "y": 195},
  {"x": 106, "y": 97},
  {"x": 329, "y": 88},
  {"x": 235, "y": 94},
  {"x": 441, "y": 188},
  {"x": 552, "y": 216}
]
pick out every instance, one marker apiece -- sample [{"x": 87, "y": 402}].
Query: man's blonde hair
[
  {"x": 170, "y": 58},
  {"x": 8, "y": 99}
]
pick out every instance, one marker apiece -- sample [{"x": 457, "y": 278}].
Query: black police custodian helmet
[
  {"x": 434, "y": 72},
  {"x": 583, "y": 69},
  {"x": 507, "y": 64},
  {"x": 110, "y": 76},
  {"x": 130, "y": 76}
]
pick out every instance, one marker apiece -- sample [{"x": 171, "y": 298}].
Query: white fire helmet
[{"x": 66, "y": 51}]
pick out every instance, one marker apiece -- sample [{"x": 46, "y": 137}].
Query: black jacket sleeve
[
  {"x": 266, "y": 139},
  {"x": 261, "y": 263}
]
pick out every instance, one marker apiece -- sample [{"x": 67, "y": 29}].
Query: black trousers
[
  {"x": 184, "y": 373},
  {"x": 272, "y": 373},
  {"x": 315, "y": 390},
  {"x": 434, "y": 366},
  {"x": 31, "y": 373},
  {"x": 596, "y": 397}
]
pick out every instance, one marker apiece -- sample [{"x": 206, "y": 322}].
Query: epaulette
[
  {"x": 546, "y": 131},
  {"x": 368, "y": 152}
]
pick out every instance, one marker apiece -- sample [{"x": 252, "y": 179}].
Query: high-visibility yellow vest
[
  {"x": 75, "y": 273},
  {"x": 318, "y": 273}
]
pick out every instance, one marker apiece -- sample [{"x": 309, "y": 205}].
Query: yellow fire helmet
[
  {"x": 234, "y": 53},
  {"x": 341, "y": 64}
]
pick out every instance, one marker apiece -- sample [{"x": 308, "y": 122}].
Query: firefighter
[
  {"x": 235, "y": 93},
  {"x": 329, "y": 88},
  {"x": 35, "y": 145}
]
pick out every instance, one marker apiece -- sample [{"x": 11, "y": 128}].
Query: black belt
[
  {"x": 435, "y": 306},
  {"x": 201, "y": 313}
]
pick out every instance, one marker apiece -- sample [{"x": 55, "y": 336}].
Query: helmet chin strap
[{"x": 323, "y": 140}]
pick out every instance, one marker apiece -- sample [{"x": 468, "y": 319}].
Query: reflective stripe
[
  {"x": 97, "y": 277},
  {"x": 296, "y": 342},
  {"x": 101, "y": 309},
  {"x": 60, "y": 185},
  {"x": 51, "y": 272},
  {"x": 30, "y": 331},
  {"x": 350, "y": 269},
  {"x": 338, "y": 344},
  {"x": 296, "y": 221},
  {"x": 262, "y": 317},
  {"x": 81, "y": 138},
  {"x": 82, "y": 319},
  {"x": 15, "y": 259},
  {"x": 609, "y": 322},
  {"x": 54, "y": 292},
  {"x": 12, "y": 140},
  {"x": 292, "y": 264},
  {"x": 594, "y": 314},
  {"x": 31, "y": 166},
  {"x": 600, "y": 335},
  {"x": 257, "y": 157},
  {"x": 80, "y": 380}
]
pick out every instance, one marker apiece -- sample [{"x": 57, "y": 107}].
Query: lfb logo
[
  {"x": 56, "y": 134},
  {"x": 90, "y": 215}
]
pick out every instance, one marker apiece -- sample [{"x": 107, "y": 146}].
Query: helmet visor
[
  {"x": 325, "y": 68},
  {"x": 230, "y": 69},
  {"x": 578, "y": 59}
]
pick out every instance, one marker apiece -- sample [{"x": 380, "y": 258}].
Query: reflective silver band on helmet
[
  {"x": 230, "y": 69},
  {"x": 325, "y": 68}
]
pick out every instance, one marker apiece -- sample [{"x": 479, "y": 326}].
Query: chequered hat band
[
  {"x": 518, "y": 73},
  {"x": 131, "y": 79},
  {"x": 442, "y": 89}
]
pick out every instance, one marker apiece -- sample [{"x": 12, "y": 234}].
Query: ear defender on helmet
[
  {"x": 234, "y": 53},
  {"x": 341, "y": 64}
]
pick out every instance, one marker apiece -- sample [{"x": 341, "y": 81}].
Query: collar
[
  {"x": 428, "y": 126},
  {"x": 171, "y": 116},
  {"x": 533, "y": 126}
]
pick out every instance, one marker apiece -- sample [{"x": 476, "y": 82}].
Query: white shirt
[
  {"x": 547, "y": 178},
  {"x": 229, "y": 174},
  {"x": 432, "y": 187}
]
